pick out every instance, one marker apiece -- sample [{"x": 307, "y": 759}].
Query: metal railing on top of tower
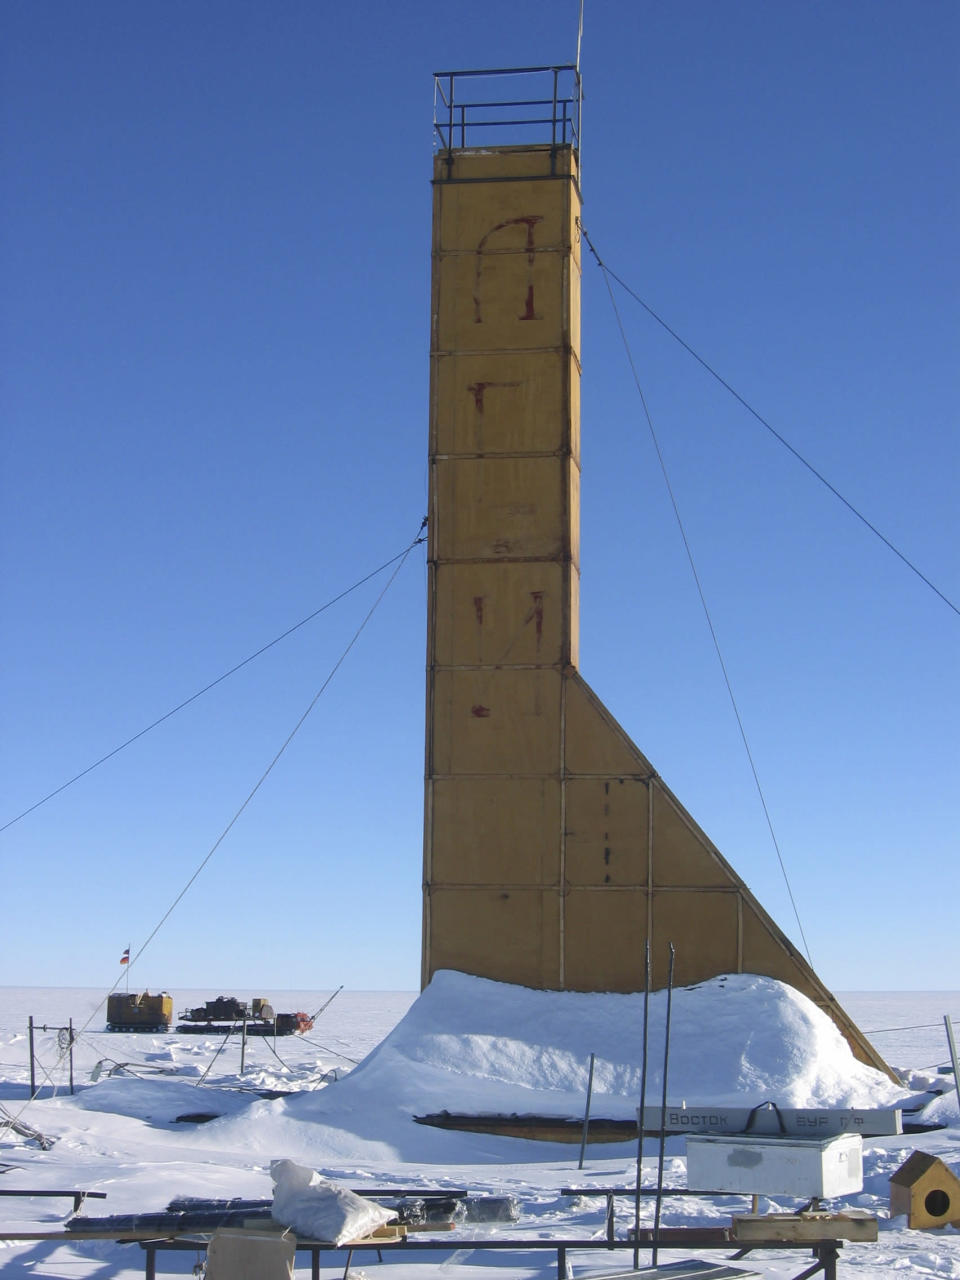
[{"x": 464, "y": 121}]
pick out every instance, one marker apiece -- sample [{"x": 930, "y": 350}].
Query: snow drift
[{"x": 472, "y": 1045}]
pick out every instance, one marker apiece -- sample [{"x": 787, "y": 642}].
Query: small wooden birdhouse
[{"x": 926, "y": 1191}]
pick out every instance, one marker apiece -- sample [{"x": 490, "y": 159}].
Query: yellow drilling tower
[{"x": 552, "y": 848}]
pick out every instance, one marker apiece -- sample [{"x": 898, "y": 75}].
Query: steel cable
[
  {"x": 612, "y": 275},
  {"x": 206, "y": 688},
  {"x": 703, "y": 602},
  {"x": 400, "y": 560}
]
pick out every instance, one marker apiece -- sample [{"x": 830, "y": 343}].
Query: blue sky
[{"x": 215, "y": 254}]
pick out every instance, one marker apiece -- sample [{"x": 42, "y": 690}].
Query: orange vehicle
[{"x": 139, "y": 1011}]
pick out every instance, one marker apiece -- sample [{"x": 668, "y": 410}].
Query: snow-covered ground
[{"x": 465, "y": 1045}]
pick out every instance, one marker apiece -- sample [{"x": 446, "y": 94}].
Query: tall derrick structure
[{"x": 552, "y": 849}]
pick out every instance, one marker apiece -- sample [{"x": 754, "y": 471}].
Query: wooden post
[{"x": 243, "y": 1044}]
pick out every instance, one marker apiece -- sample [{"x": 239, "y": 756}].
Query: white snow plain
[{"x": 376, "y": 1059}]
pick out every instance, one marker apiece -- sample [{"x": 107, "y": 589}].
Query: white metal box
[{"x": 805, "y": 1168}]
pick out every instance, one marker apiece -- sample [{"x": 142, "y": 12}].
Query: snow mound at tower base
[{"x": 471, "y": 1045}]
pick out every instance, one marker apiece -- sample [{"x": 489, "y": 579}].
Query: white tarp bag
[{"x": 318, "y": 1209}]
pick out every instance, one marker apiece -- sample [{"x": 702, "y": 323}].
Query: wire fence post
[
  {"x": 243, "y": 1044},
  {"x": 663, "y": 1109},
  {"x": 643, "y": 1103},
  {"x": 586, "y": 1111},
  {"x": 70, "y": 1034},
  {"x": 33, "y": 1074}
]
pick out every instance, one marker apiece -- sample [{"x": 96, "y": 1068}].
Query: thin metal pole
[
  {"x": 579, "y": 89},
  {"x": 643, "y": 1102},
  {"x": 70, "y": 1034},
  {"x": 450, "y": 126},
  {"x": 953, "y": 1053},
  {"x": 33, "y": 1074},
  {"x": 586, "y": 1111},
  {"x": 327, "y": 1002},
  {"x": 663, "y": 1106},
  {"x": 553, "y": 117},
  {"x": 243, "y": 1044}
]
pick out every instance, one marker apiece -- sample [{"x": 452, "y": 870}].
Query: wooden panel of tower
[{"x": 504, "y": 473}]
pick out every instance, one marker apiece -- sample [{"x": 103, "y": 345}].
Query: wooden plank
[
  {"x": 382, "y": 1235},
  {"x": 690, "y": 1270},
  {"x": 813, "y": 1227},
  {"x": 390, "y": 1231}
]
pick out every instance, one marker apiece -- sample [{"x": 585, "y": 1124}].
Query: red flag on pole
[{"x": 125, "y": 958}]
